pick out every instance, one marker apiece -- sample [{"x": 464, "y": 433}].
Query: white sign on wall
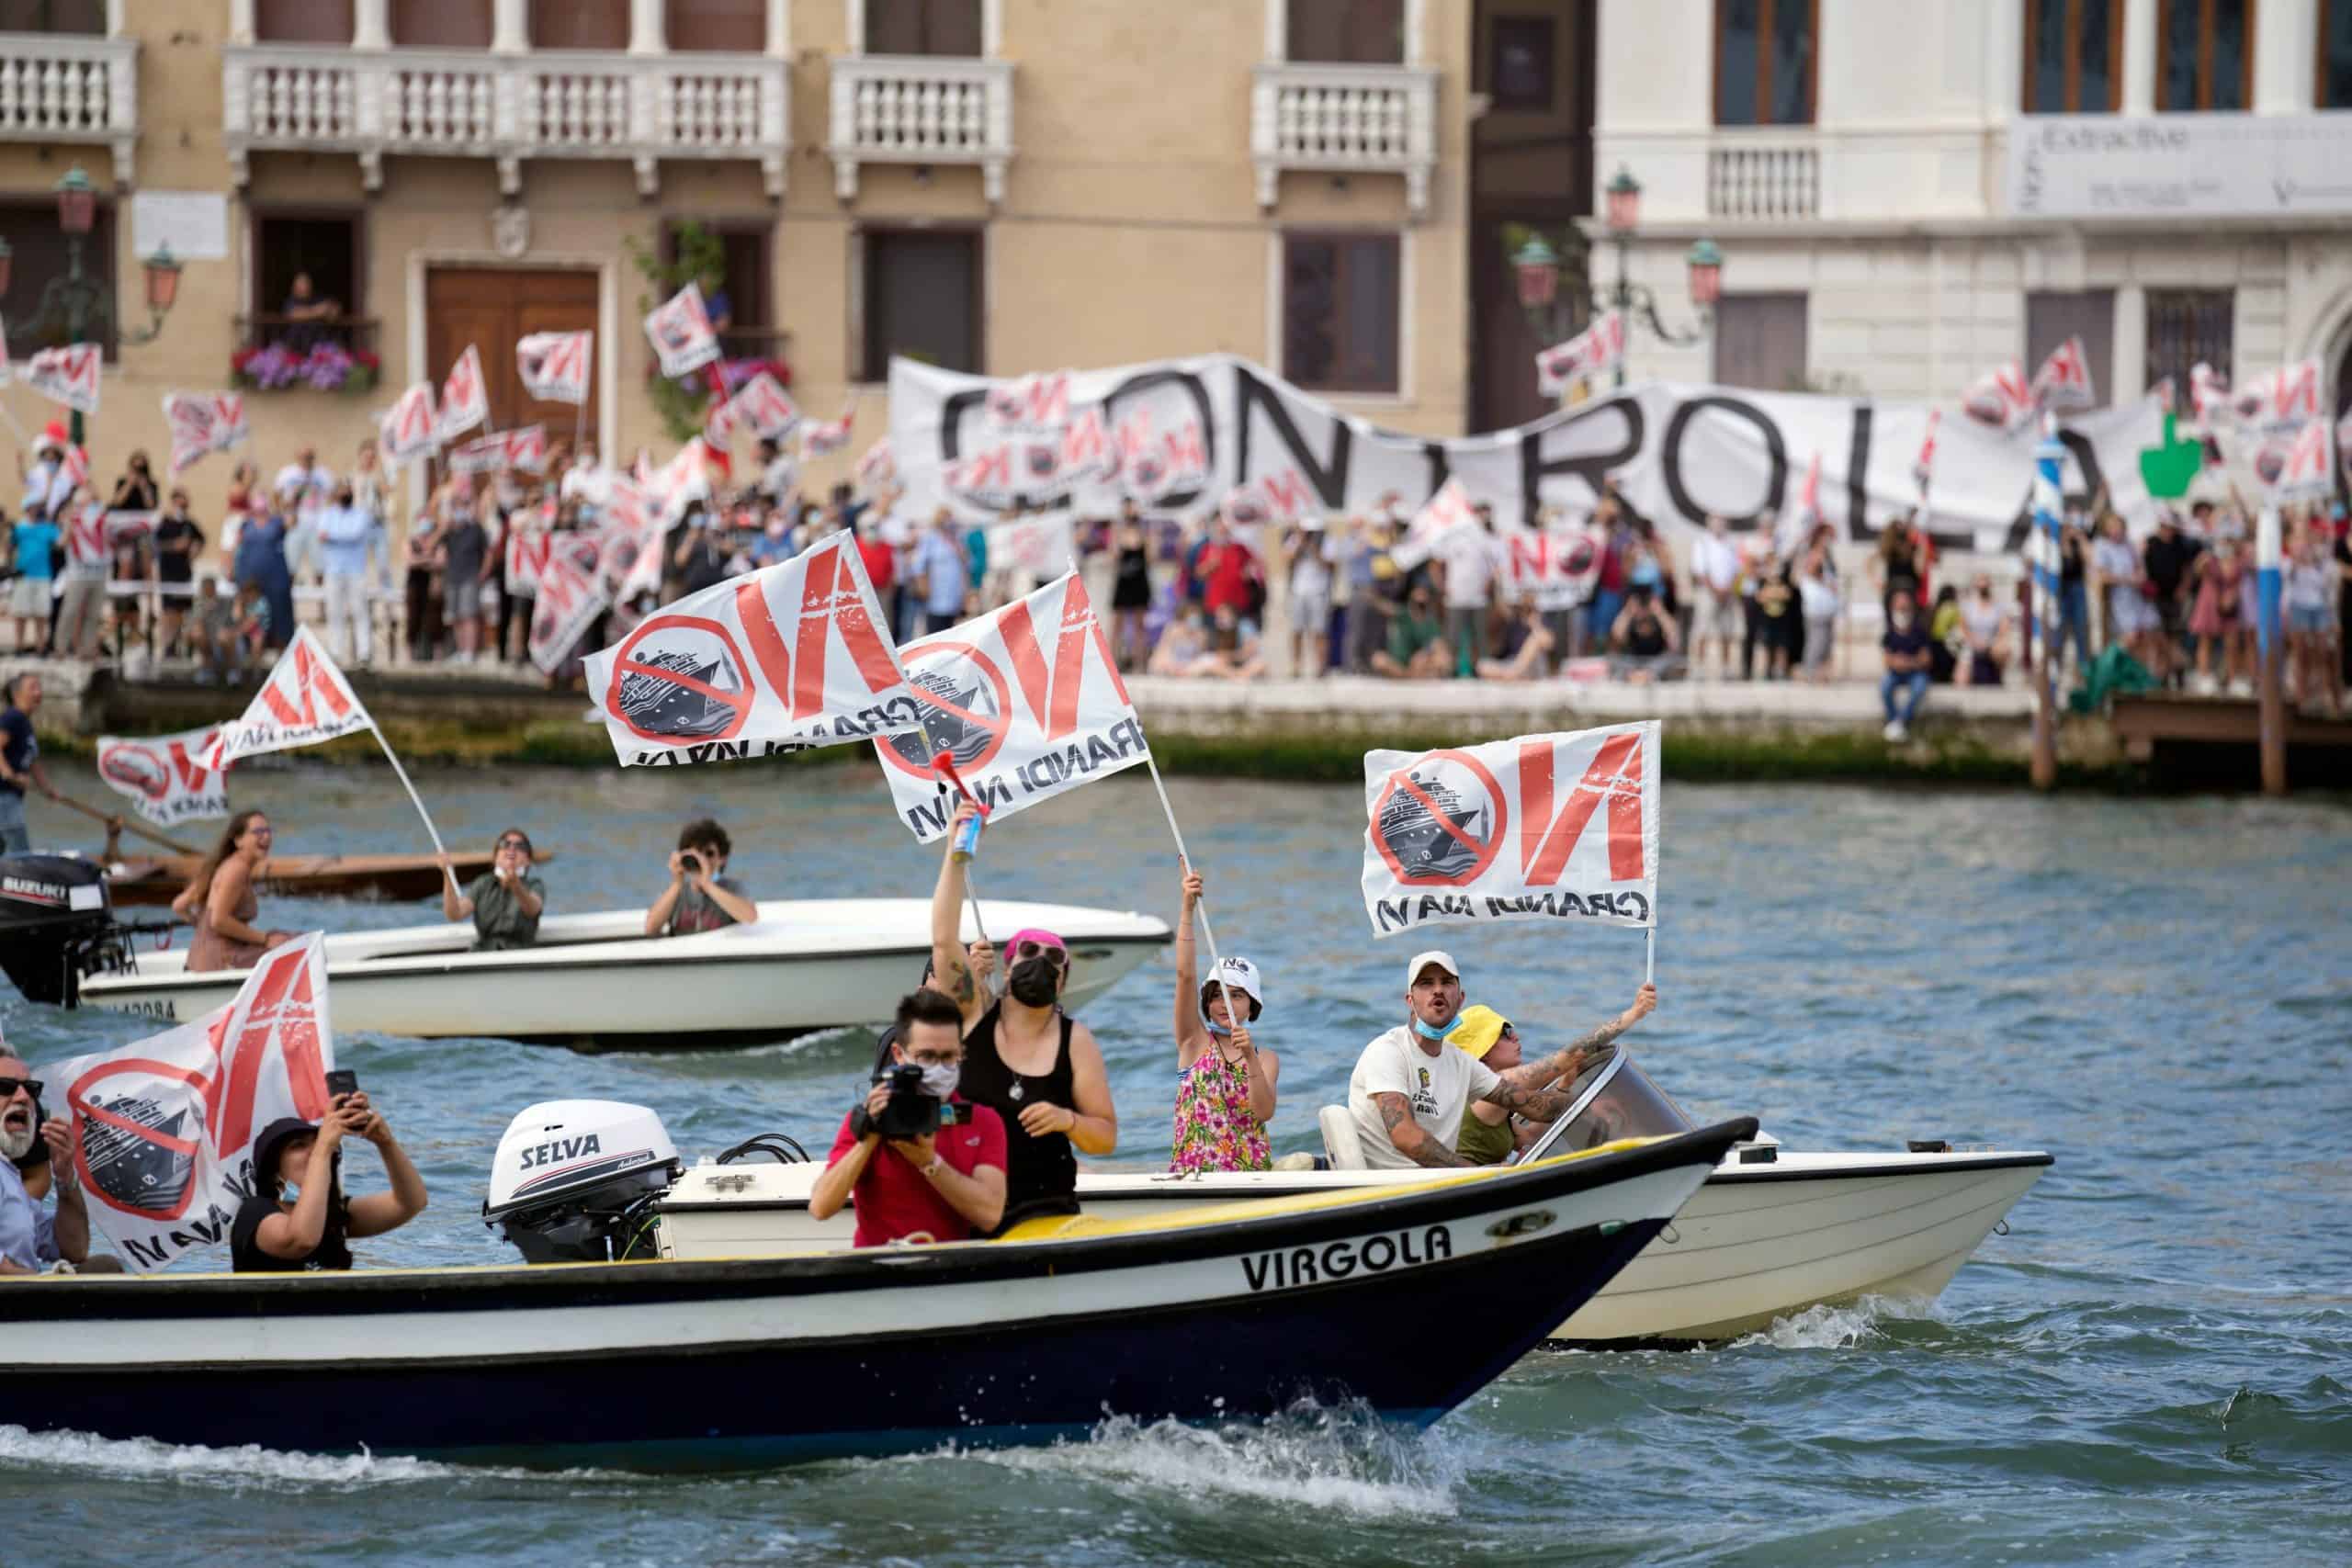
[
  {"x": 195, "y": 223},
  {"x": 2179, "y": 165}
]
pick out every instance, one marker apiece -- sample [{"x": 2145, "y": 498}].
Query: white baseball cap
[
  {"x": 1240, "y": 974},
  {"x": 1421, "y": 961}
]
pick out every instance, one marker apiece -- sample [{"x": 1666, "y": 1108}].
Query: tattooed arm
[
  {"x": 951, "y": 971},
  {"x": 1522, "y": 1089},
  {"x": 1412, "y": 1140}
]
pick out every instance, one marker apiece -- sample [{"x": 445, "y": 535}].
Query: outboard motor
[
  {"x": 571, "y": 1174},
  {"x": 56, "y": 925}
]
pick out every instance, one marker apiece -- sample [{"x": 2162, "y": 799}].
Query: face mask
[
  {"x": 939, "y": 1080},
  {"x": 1033, "y": 983},
  {"x": 1431, "y": 1031}
]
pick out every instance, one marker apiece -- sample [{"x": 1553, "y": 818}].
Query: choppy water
[{"x": 2156, "y": 1366}]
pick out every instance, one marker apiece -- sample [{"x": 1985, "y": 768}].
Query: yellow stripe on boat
[{"x": 1077, "y": 1227}]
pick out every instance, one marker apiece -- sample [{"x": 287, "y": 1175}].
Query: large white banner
[
  {"x": 164, "y": 775},
  {"x": 783, "y": 659},
  {"x": 1179, "y": 433},
  {"x": 1027, "y": 700},
  {"x": 306, "y": 700},
  {"x": 1543, "y": 828},
  {"x": 163, "y": 1127},
  {"x": 2179, "y": 167}
]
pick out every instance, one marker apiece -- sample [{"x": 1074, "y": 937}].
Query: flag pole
[
  {"x": 401, "y": 774},
  {"x": 944, "y": 763},
  {"x": 1216, "y": 963}
]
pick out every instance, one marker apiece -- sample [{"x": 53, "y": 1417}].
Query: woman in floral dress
[{"x": 1225, "y": 1084}]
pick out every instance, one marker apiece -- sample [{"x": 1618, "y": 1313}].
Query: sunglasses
[
  {"x": 8, "y": 1086},
  {"x": 1056, "y": 956},
  {"x": 523, "y": 844}
]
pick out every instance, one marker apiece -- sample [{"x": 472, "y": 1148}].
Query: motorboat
[
  {"x": 1772, "y": 1232},
  {"x": 157, "y": 879},
  {"x": 1226, "y": 1312},
  {"x": 593, "y": 981}
]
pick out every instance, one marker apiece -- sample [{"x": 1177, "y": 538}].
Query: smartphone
[{"x": 341, "y": 1081}]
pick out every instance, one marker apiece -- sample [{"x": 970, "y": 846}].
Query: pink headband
[{"x": 1037, "y": 934}]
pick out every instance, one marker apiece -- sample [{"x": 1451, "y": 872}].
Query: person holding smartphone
[
  {"x": 273, "y": 1235},
  {"x": 701, "y": 897}
]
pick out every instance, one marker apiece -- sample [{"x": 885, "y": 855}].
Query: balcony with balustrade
[
  {"x": 639, "y": 107},
  {"x": 71, "y": 87},
  {"x": 1344, "y": 120},
  {"x": 921, "y": 109}
]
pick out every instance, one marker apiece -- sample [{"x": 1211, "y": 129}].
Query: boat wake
[
  {"x": 1342, "y": 1459},
  {"x": 1826, "y": 1328},
  {"x": 145, "y": 1458}
]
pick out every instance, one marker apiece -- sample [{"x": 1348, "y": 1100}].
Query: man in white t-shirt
[
  {"x": 1473, "y": 558},
  {"x": 1409, "y": 1088},
  {"x": 303, "y": 484}
]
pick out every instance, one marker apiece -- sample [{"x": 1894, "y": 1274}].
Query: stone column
[
  {"x": 510, "y": 26},
  {"x": 2131, "y": 330},
  {"x": 2139, "y": 58},
  {"x": 648, "y": 27},
  {"x": 371, "y": 24}
]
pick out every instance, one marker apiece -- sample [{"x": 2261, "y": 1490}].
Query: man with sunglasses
[
  {"x": 31, "y": 1239},
  {"x": 504, "y": 902},
  {"x": 945, "y": 1186},
  {"x": 1023, "y": 1058}
]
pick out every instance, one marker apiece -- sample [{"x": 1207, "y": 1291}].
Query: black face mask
[{"x": 1033, "y": 983}]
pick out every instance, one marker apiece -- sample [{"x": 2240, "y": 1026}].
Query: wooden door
[{"x": 493, "y": 309}]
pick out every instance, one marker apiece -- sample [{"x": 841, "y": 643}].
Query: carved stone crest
[{"x": 510, "y": 230}]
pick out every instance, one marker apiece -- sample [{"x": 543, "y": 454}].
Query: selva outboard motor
[
  {"x": 56, "y": 925},
  {"x": 571, "y": 1176}
]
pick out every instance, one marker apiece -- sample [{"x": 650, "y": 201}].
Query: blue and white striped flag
[{"x": 2043, "y": 552}]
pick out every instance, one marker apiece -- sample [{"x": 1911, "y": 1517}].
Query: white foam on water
[
  {"x": 1825, "y": 1328},
  {"x": 146, "y": 1459},
  {"x": 1345, "y": 1460}
]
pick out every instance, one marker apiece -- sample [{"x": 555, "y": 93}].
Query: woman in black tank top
[{"x": 1040, "y": 1173}]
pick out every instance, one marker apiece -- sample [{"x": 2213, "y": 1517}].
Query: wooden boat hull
[
  {"x": 1231, "y": 1314},
  {"x": 149, "y": 880}
]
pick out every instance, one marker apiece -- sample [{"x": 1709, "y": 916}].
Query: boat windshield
[{"x": 1614, "y": 1100}]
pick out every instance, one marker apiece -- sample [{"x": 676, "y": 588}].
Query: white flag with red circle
[
  {"x": 1560, "y": 827},
  {"x": 628, "y": 559},
  {"x": 2064, "y": 379},
  {"x": 68, "y": 375},
  {"x": 767, "y": 408},
  {"x": 568, "y": 598},
  {"x": 792, "y": 656},
  {"x": 409, "y": 428},
  {"x": 87, "y": 551},
  {"x": 162, "y": 1128},
  {"x": 465, "y": 401},
  {"x": 527, "y": 542},
  {"x": 1027, "y": 701},
  {"x": 1598, "y": 348},
  {"x": 203, "y": 422},
  {"x": 555, "y": 365},
  {"x": 2000, "y": 398},
  {"x": 1443, "y": 512},
  {"x": 679, "y": 329},
  {"x": 164, "y": 775},
  {"x": 822, "y": 437},
  {"x": 2298, "y": 465},
  {"x": 305, "y": 701}
]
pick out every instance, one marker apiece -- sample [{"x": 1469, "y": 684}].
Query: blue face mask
[{"x": 1431, "y": 1031}]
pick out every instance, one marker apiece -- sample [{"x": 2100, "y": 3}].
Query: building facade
[
  {"x": 1907, "y": 195},
  {"x": 1001, "y": 186}
]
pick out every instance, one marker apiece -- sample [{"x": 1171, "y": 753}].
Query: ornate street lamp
[
  {"x": 80, "y": 301},
  {"x": 1624, "y": 201},
  {"x": 1537, "y": 265}
]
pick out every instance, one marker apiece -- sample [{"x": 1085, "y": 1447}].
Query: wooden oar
[{"x": 129, "y": 827}]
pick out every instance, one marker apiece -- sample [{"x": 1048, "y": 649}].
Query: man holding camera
[
  {"x": 701, "y": 895},
  {"x": 943, "y": 1177}
]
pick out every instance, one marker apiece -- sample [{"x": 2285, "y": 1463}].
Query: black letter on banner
[
  {"x": 1776, "y": 453},
  {"x": 1331, "y": 479},
  {"x": 1858, "y": 468},
  {"x": 1441, "y": 464},
  {"x": 1590, "y": 467},
  {"x": 1146, "y": 381}
]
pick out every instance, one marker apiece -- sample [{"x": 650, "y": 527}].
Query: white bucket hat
[{"x": 1240, "y": 974}]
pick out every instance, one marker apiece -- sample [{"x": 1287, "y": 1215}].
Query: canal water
[{"x": 2153, "y": 1366}]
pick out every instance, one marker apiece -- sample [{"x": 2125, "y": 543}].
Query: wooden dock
[{"x": 2216, "y": 740}]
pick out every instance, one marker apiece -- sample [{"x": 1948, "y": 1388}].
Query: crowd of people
[{"x": 1358, "y": 593}]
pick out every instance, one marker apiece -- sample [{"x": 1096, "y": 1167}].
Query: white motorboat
[
  {"x": 1770, "y": 1233},
  {"x": 598, "y": 981}
]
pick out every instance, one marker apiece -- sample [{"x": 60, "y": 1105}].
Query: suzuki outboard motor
[
  {"x": 571, "y": 1174},
  {"x": 56, "y": 925}
]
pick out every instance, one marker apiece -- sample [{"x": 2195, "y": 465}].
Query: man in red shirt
[
  {"x": 881, "y": 560},
  {"x": 1226, "y": 568},
  {"x": 948, "y": 1186}
]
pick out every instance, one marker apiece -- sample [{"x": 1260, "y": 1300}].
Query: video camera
[{"x": 909, "y": 1112}]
